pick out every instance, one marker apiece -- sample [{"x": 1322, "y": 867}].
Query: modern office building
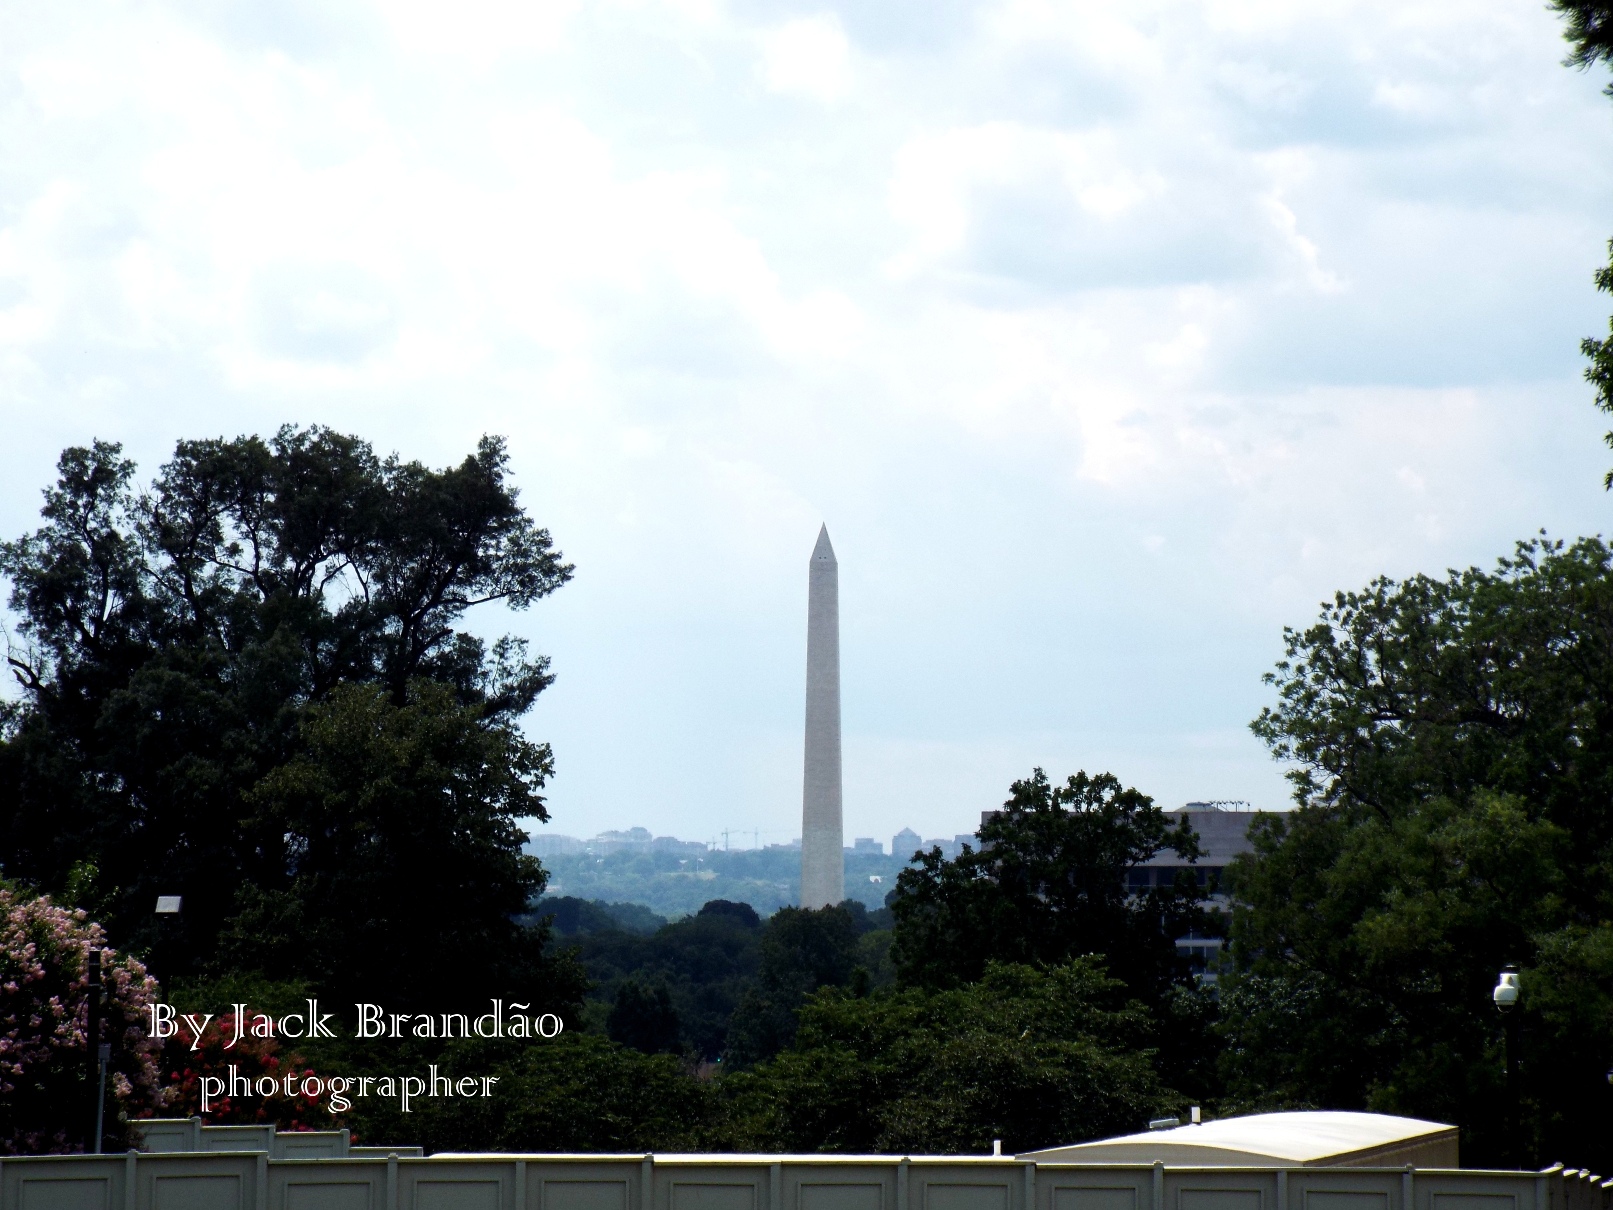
[{"x": 1223, "y": 832}]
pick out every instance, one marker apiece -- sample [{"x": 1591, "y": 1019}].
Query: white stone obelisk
[{"x": 823, "y": 862}]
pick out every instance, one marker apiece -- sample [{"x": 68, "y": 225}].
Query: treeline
[{"x": 247, "y": 683}]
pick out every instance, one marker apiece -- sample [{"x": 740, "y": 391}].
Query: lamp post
[
  {"x": 168, "y": 907},
  {"x": 98, "y": 1053},
  {"x": 1505, "y": 996}
]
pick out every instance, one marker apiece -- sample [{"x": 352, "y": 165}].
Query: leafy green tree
[
  {"x": 407, "y": 852},
  {"x": 1453, "y": 761},
  {"x": 1589, "y": 30},
  {"x": 706, "y": 962},
  {"x": 1048, "y": 883},
  {"x": 643, "y": 1018},
  {"x": 802, "y": 949},
  {"x": 568, "y": 916},
  {"x": 576, "y": 1092},
  {"x": 207, "y": 663},
  {"x": 1032, "y": 1056}
]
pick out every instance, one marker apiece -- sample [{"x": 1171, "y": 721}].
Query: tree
[
  {"x": 576, "y": 1092},
  {"x": 1453, "y": 762},
  {"x": 1047, "y": 884},
  {"x": 644, "y": 1019},
  {"x": 46, "y": 1095},
  {"x": 1590, "y": 32},
  {"x": 407, "y": 852},
  {"x": 705, "y": 960},
  {"x": 207, "y": 663},
  {"x": 802, "y": 950},
  {"x": 1034, "y": 1057}
]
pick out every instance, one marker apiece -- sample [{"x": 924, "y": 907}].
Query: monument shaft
[{"x": 823, "y": 866}]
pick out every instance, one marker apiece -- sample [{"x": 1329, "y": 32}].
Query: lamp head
[{"x": 1506, "y": 990}]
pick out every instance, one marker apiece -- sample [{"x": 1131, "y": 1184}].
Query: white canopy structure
[{"x": 1314, "y": 1139}]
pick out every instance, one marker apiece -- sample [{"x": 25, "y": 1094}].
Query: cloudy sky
[{"x": 1107, "y": 338}]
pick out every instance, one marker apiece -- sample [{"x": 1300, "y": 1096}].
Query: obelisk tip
[{"x": 823, "y": 550}]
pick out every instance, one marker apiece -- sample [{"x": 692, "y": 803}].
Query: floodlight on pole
[
  {"x": 1505, "y": 995},
  {"x": 1506, "y": 990}
]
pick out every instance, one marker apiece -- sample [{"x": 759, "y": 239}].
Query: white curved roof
[{"x": 1312, "y": 1138}]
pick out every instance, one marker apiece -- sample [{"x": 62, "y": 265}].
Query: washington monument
[{"x": 823, "y": 864}]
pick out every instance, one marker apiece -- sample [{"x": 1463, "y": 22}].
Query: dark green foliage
[
  {"x": 1454, "y": 761},
  {"x": 1589, "y": 31},
  {"x": 1433, "y": 688},
  {"x": 742, "y": 912},
  {"x": 574, "y": 1093},
  {"x": 643, "y": 1018},
  {"x": 569, "y": 916},
  {"x": 1600, "y": 352},
  {"x": 216, "y": 666},
  {"x": 1048, "y": 884},
  {"x": 706, "y": 961},
  {"x": 1035, "y": 1057},
  {"x": 408, "y": 852},
  {"x": 802, "y": 950}
]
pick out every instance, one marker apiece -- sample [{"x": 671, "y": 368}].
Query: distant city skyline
[{"x": 543, "y": 840}]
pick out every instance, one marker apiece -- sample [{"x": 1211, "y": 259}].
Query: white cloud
[
  {"x": 1106, "y": 338},
  {"x": 808, "y": 57}
]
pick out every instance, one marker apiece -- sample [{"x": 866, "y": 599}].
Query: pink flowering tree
[{"x": 46, "y": 1093}]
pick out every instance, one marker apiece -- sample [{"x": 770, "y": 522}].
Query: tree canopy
[
  {"x": 1048, "y": 883},
  {"x": 1032, "y": 1056},
  {"x": 802, "y": 950},
  {"x": 248, "y": 683},
  {"x": 1453, "y": 763}
]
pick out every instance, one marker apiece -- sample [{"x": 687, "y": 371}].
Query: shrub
[{"x": 46, "y": 1091}]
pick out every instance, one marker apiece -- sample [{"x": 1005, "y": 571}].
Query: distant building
[
  {"x": 966, "y": 838},
  {"x": 671, "y": 844},
  {"x": 867, "y": 844},
  {"x": 618, "y": 841},
  {"x": 949, "y": 848},
  {"x": 552, "y": 844},
  {"x": 630, "y": 840},
  {"x": 905, "y": 843},
  {"x": 1223, "y": 832}
]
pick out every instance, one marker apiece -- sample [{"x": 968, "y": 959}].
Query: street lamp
[
  {"x": 1505, "y": 995},
  {"x": 167, "y": 907}
]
